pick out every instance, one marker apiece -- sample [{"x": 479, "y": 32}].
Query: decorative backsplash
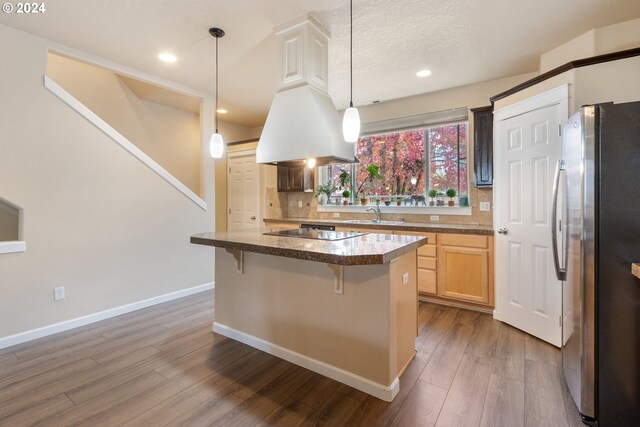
[{"x": 287, "y": 205}]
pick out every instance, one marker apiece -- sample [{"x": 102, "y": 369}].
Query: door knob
[
  {"x": 503, "y": 231},
  {"x": 253, "y": 218}
]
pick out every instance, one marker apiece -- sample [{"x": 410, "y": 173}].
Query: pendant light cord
[
  {"x": 216, "y": 112},
  {"x": 351, "y": 51}
]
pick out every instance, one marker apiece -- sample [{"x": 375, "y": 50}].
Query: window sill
[
  {"x": 416, "y": 210},
  {"x": 12, "y": 247}
]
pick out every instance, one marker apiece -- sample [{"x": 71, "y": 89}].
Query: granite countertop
[
  {"x": 367, "y": 249},
  {"x": 484, "y": 230},
  {"x": 635, "y": 269}
]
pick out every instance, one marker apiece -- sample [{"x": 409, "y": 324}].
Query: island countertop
[{"x": 367, "y": 249}]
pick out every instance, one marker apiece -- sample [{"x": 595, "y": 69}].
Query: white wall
[
  {"x": 96, "y": 220},
  {"x": 170, "y": 136}
]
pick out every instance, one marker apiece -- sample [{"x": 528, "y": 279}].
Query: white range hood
[{"x": 303, "y": 123}]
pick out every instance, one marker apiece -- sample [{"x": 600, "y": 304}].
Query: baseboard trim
[
  {"x": 466, "y": 306},
  {"x": 55, "y": 328},
  {"x": 384, "y": 392}
]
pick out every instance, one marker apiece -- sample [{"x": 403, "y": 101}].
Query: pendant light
[
  {"x": 216, "y": 145},
  {"x": 351, "y": 119}
]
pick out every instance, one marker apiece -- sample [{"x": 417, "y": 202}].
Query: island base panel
[{"x": 289, "y": 308}]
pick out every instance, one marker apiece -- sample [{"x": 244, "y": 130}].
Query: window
[{"x": 411, "y": 162}]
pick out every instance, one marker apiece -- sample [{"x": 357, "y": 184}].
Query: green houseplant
[
  {"x": 451, "y": 193},
  {"x": 324, "y": 190},
  {"x": 432, "y": 196},
  {"x": 346, "y": 194},
  {"x": 373, "y": 173},
  {"x": 345, "y": 185}
]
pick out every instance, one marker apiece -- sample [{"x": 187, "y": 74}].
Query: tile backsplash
[{"x": 303, "y": 205}]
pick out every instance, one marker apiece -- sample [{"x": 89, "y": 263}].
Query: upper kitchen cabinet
[
  {"x": 483, "y": 146},
  {"x": 295, "y": 179}
]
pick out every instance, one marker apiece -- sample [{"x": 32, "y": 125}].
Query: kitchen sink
[{"x": 371, "y": 221}]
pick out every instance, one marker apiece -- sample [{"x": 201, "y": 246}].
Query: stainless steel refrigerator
[{"x": 596, "y": 211}]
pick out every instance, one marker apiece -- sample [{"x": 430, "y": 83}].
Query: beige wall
[
  {"x": 95, "y": 219},
  {"x": 9, "y": 223},
  {"x": 475, "y": 95},
  {"x": 170, "y": 136},
  {"x": 612, "y": 38}
]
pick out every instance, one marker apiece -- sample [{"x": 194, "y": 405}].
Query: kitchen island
[{"x": 346, "y": 309}]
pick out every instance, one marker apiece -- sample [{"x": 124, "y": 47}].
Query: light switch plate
[
  {"x": 485, "y": 206},
  {"x": 405, "y": 278},
  {"x": 336, "y": 214},
  {"x": 58, "y": 293},
  {"x": 435, "y": 217},
  {"x": 299, "y": 203}
]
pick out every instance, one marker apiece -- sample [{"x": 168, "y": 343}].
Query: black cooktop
[{"x": 303, "y": 233}]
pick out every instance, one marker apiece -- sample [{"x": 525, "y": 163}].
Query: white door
[
  {"x": 243, "y": 193},
  {"x": 528, "y": 294}
]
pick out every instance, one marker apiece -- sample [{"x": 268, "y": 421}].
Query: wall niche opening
[{"x": 10, "y": 228}]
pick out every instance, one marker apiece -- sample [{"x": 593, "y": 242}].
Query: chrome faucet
[{"x": 377, "y": 212}]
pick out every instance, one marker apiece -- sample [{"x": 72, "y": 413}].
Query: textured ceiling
[{"x": 462, "y": 41}]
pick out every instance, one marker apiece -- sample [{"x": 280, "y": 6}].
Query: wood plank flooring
[{"x": 163, "y": 366}]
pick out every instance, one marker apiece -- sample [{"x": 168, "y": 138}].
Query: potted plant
[
  {"x": 373, "y": 173},
  {"x": 451, "y": 193},
  {"x": 432, "y": 197},
  {"x": 346, "y": 194},
  {"x": 387, "y": 202},
  {"x": 398, "y": 201},
  {"x": 364, "y": 200},
  {"x": 323, "y": 192}
]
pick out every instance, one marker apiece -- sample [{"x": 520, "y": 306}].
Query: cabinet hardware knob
[{"x": 253, "y": 218}]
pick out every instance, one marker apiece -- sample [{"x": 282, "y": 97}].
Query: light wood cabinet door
[
  {"x": 427, "y": 281},
  {"x": 463, "y": 274}
]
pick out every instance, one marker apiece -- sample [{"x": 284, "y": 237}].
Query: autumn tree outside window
[{"x": 411, "y": 161}]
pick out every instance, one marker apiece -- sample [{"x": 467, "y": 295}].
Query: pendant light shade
[
  {"x": 351, "y": 119},
  {"x": 216, "y": 144},
  {"x": 351, "y": 124}
]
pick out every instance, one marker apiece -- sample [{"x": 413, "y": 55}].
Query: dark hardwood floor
[{"x": 164, "y": 366}]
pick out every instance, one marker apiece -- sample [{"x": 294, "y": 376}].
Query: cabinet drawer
[
  {"x": 428, "y": 263},
  {"x": 427, "y": 250},
  {"x": 431, "y": 237},
  {"x": 427, "y": 281},
  {"x": 464, "y": 240},
  {"x": 281, "y": 225}
]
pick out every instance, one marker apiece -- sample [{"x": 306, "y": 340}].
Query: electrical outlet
[
  {"x": 336, "y": 214},
  {"x": 405, "y": 278},
  {"x": 58, "y": 293},
  {"x": 485, "y": 206},
  {"x": 299, "y": 203},
  {"x": 435, "y": 217}
]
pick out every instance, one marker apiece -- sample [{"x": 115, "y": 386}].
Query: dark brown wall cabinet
[
  {"x": 295, "y": 179},
  {"x": 483, "y": 146}
]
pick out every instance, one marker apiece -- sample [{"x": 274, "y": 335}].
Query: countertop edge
[
  {"x": 345, "y": 260},
  {"x": 635, "y": 269},
  {"x": 427, "y": 228}
]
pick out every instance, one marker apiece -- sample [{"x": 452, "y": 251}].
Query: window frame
[{"x": 323, "y": 175}]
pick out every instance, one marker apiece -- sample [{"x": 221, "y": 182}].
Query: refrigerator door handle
[{"x": 561, "y": 273}]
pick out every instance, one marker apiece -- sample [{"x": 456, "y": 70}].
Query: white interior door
[
  {"x": 528, "y": 294},
  {"x": 243, "y": 193}
]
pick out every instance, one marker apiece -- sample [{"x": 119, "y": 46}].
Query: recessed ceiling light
[
  {"x": 221, "y": 111},
  {"x": 423, "y": 73},
  {"x": 167, "y": 57}
]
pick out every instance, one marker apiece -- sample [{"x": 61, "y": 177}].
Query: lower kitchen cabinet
[
  {"x": 456, "y": 269},
  {"x": 427, "y": 263},
  {"x": 465, "y": 268}
]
